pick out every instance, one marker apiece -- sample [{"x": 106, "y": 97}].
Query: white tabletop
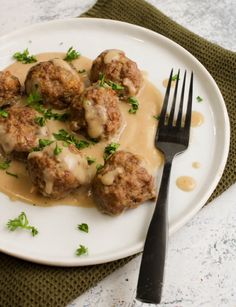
[{"x": 201, "y": 264}]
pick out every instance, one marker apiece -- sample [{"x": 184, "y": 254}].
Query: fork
[{"x": 172, "y": 138}]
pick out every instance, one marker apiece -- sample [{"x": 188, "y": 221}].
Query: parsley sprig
[
  {"x": 71, "y": 55},
  {"x": 108, "y": 83},
  {"x": 24, "y": 57},
  {"x": 42, "y": 143},
  {"x": 34, "y": 100},
  {"x": 110, "y": 150},
  {"x": 175, "y": 77},
  {"x": 82, "y": 250},
  {"x": 90, "y": 160},
  {"x": 63, "y": 135},
  {"x": 133, "y": 101},
  {"x": 4, "y": 113},
  {"x": 5, "y": 164},
  {"x": 57, "y": 150},
  {"x": 199, "y": 99},
  {"x": 83, "y": 227},
  {"x": 21, "y": 222}
]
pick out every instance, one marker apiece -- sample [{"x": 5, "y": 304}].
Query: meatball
[
  {"x": 10, "y": 88},
  {"x": 122, "y": 183},
  {"x": 19, "y": 132},
  {"x": 56, "y": 174},
  {"x": 56, "y": 81},
  {"x": 96, "y": 112},
  {"x": 117, "y": 68}
]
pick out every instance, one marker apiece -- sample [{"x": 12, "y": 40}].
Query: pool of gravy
[{"x": 136, "y": 136}]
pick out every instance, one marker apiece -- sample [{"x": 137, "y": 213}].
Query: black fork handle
[{"x": 151, "y": 272}]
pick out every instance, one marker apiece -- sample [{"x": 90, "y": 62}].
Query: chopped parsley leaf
[
  {"x": 174, "y": 78},
  {"x": 199, "y": 99},
  {"x": 12, "y": 174},
  {"x": 24, "y": 57},
  {"x": 99, "y": 167},
  {"x": 83, "y": 227},
  {"x": 21, "y": 222},
  {"x": 42, "y": 143},
  {"x": 34, "y": 100},
  {"x": 110, "y": 150},
  {"x": 5, "y": 164},
  {"x": 108, "y": 83},
  {"x": 71, "y": 55},
  {"x": 3, "y": 113},
  {"x": 57, "y": 150},
  {"x": 82, "y": 250},
  {"x": 157, "y": 117},
  {"x": 115, "y": 86},
  {"x": 101, "y": 79},
  {"x": 40, "y": 120},
  {"x": 63, "y": 135},
  {"x": 90, "y": 160},
  {"x": 134, "y": 105}
]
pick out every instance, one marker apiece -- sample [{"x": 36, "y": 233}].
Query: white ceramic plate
[{"x": 112, "y": 238}]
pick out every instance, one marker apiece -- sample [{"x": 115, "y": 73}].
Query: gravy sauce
[
  {"x": 137, "y": 136},
  {"x": 186, "y": 183},
  {"x": 197, "y": 119}
]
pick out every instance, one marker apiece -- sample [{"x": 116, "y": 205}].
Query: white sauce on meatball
[
  {"x": 96, "y": 118},
  {"x": 7, "y": 140},
  {"x": 112, "y": 55},
  {"x": 109, "y": 177},
  {"x": 63, "y": 64}
]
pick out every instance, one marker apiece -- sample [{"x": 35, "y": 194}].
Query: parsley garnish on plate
[
  {"x": 134, "y": 104},
  {"x": 71, "y": 55},
  {"x": 199, "y": 99},
  {"x": 175, "y": 77},
  {"x": 108, "y": 83},
  {"x": 157, "y": 117},
  {"x": 83, "y": 227},
  {"x": 110, "y": 150},
  {"x": 3, "y": 113},
  {"x": 57, "y": 150},
  {"x": 40, "y": 120},
  {"x": 99, "y": 167},
  {"x": 90, "y": 160},
  {"x": 5, "y": 164},
  {"x": 82, "y": 250},
  {"x": 21, "y": 222},
  {"x": 63, "y": 135},
  {"x": 35, "y": 100},
  {"x": 42, "y": 143},
  {"x": 24, "y": 57}
]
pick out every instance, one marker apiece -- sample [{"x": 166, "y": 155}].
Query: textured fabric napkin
[{"x": 24, "y": 284}]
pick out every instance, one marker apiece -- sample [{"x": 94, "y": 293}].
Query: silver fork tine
[
  {"x": 179, "y": 118},
  {"x": 189, "y": 107},
  {"x": 172, "y": 112},
  {"x": 165, "y": 103}
]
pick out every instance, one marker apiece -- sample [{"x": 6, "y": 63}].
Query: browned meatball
[
  {"x": 10, "y": 88},
  {"x": 122, "y": 183},
  {"x": 19, "y": 132},
  {"x": 97, "y": 112},
  {"x": 118, "y": 68},
  {"x": 56, "y": 175},
  {"x": 56, "y": 81}
]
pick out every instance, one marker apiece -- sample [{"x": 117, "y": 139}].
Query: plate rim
[{"x": 137, "y": 247}]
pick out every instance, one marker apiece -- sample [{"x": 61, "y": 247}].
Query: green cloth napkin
[{"x": 24, "y": 284}]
